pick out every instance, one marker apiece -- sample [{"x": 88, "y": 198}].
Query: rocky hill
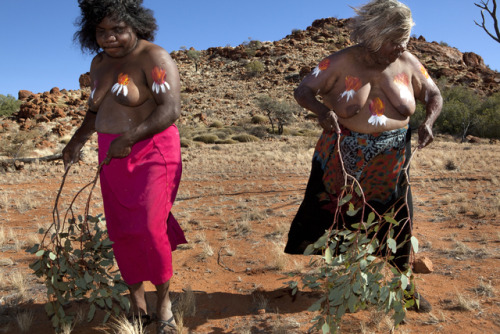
[{"x": 219, "y": 86}]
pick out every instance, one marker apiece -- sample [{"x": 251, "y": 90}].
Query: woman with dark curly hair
[{"x": 134, "y": 102}]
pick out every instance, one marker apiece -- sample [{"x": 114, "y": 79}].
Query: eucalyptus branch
[
  {"x": 78, "y": 263},
  {"x": 351, "y": 271}
]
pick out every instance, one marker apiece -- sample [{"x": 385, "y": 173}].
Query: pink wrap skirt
[{"x": 138, "y": 193}]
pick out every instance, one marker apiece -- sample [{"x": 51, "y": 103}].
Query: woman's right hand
[
  {"x": 328, "y": 121},
  {"x": 71, "y": 153}
]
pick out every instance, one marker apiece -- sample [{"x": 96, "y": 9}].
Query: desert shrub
[
  {"x": 254, "y": 68},
  {"x": 186, "y": 143},
  {"x": 8, "y": 105},
  {"x": 222, "y": 134},
  {"x": 259, "y": 131},
  {"x": 464, "y": 112},
  {"x": 226, "y": 141},
  {"x": 278, "y": 112},
  {"x": 19, "y": 144},
  {"x": 460, "y": 112},
  {"x": 245, "y": 138},
  {"x": 216, "y": 124},
  {"x": 259, "y": 119},
  {"x": 206, "y": 138},
  {"x": 489, "y": 123},
  {"x": 251, "y": 47}
]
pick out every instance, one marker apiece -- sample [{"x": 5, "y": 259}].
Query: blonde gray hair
[{"x": 379, "y": 21}]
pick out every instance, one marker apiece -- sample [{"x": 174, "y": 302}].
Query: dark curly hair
[{"x": 140, "y": 19}]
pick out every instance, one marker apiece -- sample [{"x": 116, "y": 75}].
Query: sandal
[{"x": 166, "y": 326}]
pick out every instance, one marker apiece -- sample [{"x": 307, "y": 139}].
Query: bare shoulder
[
  {"x": 97, "y": 61},
  {"x": 345, "y": 56},
  {"x": 155, "y": 53},
  {"x": 410, "y": 61}
]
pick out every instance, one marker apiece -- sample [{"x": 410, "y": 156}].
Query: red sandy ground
[{"x": 213, "y": 199}]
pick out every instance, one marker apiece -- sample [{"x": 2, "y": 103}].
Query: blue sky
[{"x": 38, "y": 52}]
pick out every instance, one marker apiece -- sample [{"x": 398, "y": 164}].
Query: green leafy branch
[
  {"x": 355, "y": 270},
  {"x": 76, "y": 261}
]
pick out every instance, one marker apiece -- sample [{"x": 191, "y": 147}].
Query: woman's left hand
[
  {"x": 425, "y": 136},
  {"x": 119, "y": 148}
]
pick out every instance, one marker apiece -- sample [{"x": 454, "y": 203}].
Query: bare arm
[
  {"x": 319, "y": 81},
  {"x": 71, "y": 153},
  {"x": 306, "y": 98},
  {"x": 433, "y": 105},
  {"x": 428, "y": 93}
]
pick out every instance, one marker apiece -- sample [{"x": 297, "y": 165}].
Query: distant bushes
[
  {"x": 254, "y": 68},
  {"x": 8, "y": 105},
  {"x": 465, "y": 113},
  {"x": 251, "y": 47}
]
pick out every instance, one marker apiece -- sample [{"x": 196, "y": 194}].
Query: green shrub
[
  {"x": 251, "y": 47},
  {"x": 489, "y": 124},
  {"x": 206, "y": 138},
  {"x": 464, "y": 113},
  {"x": 254, "y": 68},
  {"x": 8, "y": 105},
  {"x": 245, "y": 138},
  {"x": 460, "y": 111}
]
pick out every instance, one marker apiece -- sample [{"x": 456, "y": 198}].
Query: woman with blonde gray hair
[{"x": 368, "y": 94}]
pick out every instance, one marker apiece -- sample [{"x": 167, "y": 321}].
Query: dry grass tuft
[
  {"x": 485, "y": 289},
  {"x": 184, "y": 305},
  {"x": 122, "y": 325},
  {"x": 462, "y": 251},
  {"x": 24, "y": 321},
  {"x": 465, "y": 303},
  {"x": 243, "y": 228}
]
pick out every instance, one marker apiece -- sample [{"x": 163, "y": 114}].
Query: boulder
[
  {"x": 24, "y": 95},
  {"x": 423, "y": 265}
]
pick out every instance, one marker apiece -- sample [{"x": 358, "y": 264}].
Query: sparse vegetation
[
  {"x": 254, "y": 68},
  {"x": 194, "y": 55},
  {"x": 251, "y": 46},
  {"x": 8, "y": 105},
  {"x": 278, "y": 112},
  {"x": 465, "y": 113}
]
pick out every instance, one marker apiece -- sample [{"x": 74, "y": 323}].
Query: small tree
[
  {"x": 484, "y": 5},
  {"x": 280, "y": 113},
  {"x": 194, "y": 55}
]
